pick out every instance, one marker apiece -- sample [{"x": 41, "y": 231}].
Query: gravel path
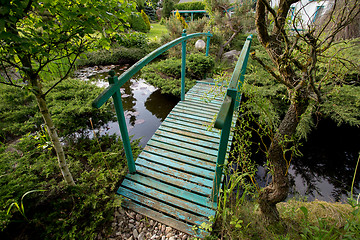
[{"x": 129, "y": 225}]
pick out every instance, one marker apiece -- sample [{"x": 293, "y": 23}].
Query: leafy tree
[
  {"x": 303, "y": 62},
  {"x": 230, "y": 24},
  {"x": 168, "y": 6},
  {"x": 40, "y": 39}
]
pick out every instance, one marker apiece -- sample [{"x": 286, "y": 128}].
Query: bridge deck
[{"x": 175, "y": 170}]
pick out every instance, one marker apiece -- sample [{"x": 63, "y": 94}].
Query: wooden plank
[
  {"x": 186, "y": 131},
  {"x": 201, "y": 99},
  {"x": 177, "y": 165},
  {"x": 178, "y": 192},
  {"x": 208, "y": 104},
  {"x": 201, "y": 107},
  {"x": 182, "y": 117},
  {"x": 159, "y": 148},
  {"x": 189, "y": 138},
  {"x": 165, "y": 208},
  {"x": 189, "y": 146},
  {"x": 189, "y": 122},
  {"x": 198, "y": 120},
  {"x": 193, "y": 115},
  {"x": 180, "y": 157},
  {"x": 195, "y": 112},
  {"x": 167, "y": 198},
  {"x": 163, "y": 219},
  {"x": 174, "y": 172},
  {"x": 146, "y": 172},
  {"x": 187, "y": 126}
]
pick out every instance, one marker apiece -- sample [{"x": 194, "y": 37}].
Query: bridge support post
[
  {"x": 224, "y": 138},
  {"x": 183, "y": 66},
  {"x": 122, "y": 123},
  {"x": 207, "y": 44}
]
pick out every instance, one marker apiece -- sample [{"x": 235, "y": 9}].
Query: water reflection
[
  {"x": 144, "y": 106},
  {"x": 326, "y": 169}
]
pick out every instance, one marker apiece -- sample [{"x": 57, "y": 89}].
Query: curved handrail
[
  {"x": 236, "y": 82},
  {"x": 124, "y": 77},
  {"x": 225, "y": 115}
]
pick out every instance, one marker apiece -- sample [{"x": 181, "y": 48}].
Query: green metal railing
[
  {"x": 115, "y": 83},
  {"x": 224, "y": 119}
]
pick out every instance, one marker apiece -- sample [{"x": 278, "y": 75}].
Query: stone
[
  {"x": 135, "y": 233},
  {"x": 131, "y": 221},
  {"x": 184, "y": 237},
  {"x": 163, "y": 228},
  {"x": 141, "y": 236},
  {"x": 167, "y": 230},
  {"x": 138, "y": 217},
  {"x": 169, "y": 235},
  {"x": 231, "y": 56},
  {"x": 130, "y": 238},
  {"x": 154, "y": 237},
  {"x": 163, "y": 238},
  {"x": 131, "y": 226},
  {"x": 151, "y": 222},
  {"x": 117, "y": 214},
  {"x": 172, "y": 238}
]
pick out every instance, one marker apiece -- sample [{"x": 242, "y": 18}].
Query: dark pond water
[
  {"x": 324, "y": 172},
  {"x": 326, "y": 169},
  {"x": 144, "y": 106}
]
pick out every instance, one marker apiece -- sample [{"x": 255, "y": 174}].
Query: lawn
[{"x": 156, "y": 31}]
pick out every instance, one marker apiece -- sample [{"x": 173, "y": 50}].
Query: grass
[
  {"x": 300, "y": 220},
  {"x": 156, "y": 31}
]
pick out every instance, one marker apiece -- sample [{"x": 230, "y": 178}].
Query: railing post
[
  {"x": 207, "y": 44},
  {"x": 242, "y": 74},
  {"x": 224, "y": 138},
  {"x": 122, "y": 123},
  {"x": 183, "y": 66}
]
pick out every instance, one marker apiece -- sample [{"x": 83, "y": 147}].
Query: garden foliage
[
  {"x": 61, "y": 211},
  {"x": 118, "y": 55},
  {"x": 69, "y": 103},
  {"x": 166, "y": 74},
  {"x": 137, "y": 23}
]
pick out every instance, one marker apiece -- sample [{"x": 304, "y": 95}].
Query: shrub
[
  {"x": 146, "y": 20},
  {"x": 137, "y": 23},
  {"x": 168, "y": 6},
  {"x": 181, "y": 19},
  {"x": 62, "y": 212},
  {"x": 166, "y": 74},
  {"x": 150, "y": 12},
  {"x": 69, "y": 104},
  {"x": 190, "y": 6},
  {"x": 198, "y": 65},
  {"x": 119, "y": 55},
  {"x": 131, "y": 40}
]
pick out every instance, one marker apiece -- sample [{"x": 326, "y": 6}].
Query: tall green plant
[{"x": 36, "y": 34}]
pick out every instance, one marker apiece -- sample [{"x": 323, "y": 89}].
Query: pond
[
  {"x": 144, "y": 106},
  {"x": 324, "y": 172},
  {"x": 326, "y": 169}
]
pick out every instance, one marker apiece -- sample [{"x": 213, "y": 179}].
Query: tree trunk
[
  {"x": 40, "y": 99},
  {"x": 277, "y": 191}
]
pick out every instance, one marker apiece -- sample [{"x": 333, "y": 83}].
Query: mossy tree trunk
[
  {"x": 294, "y": 55},
  {"x": 40, "y": 99},
  {"x": 36, "y": 89}
]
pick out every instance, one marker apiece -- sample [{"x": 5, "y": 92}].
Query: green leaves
[{"x": 45, "y": 31}]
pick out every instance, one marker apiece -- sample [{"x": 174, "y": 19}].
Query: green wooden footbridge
[{"x": 176, "y": 178}]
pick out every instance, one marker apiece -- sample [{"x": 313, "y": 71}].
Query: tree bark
[
  {"x": 40, "y": 99},
  {"x": 277, "y": 191}
]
